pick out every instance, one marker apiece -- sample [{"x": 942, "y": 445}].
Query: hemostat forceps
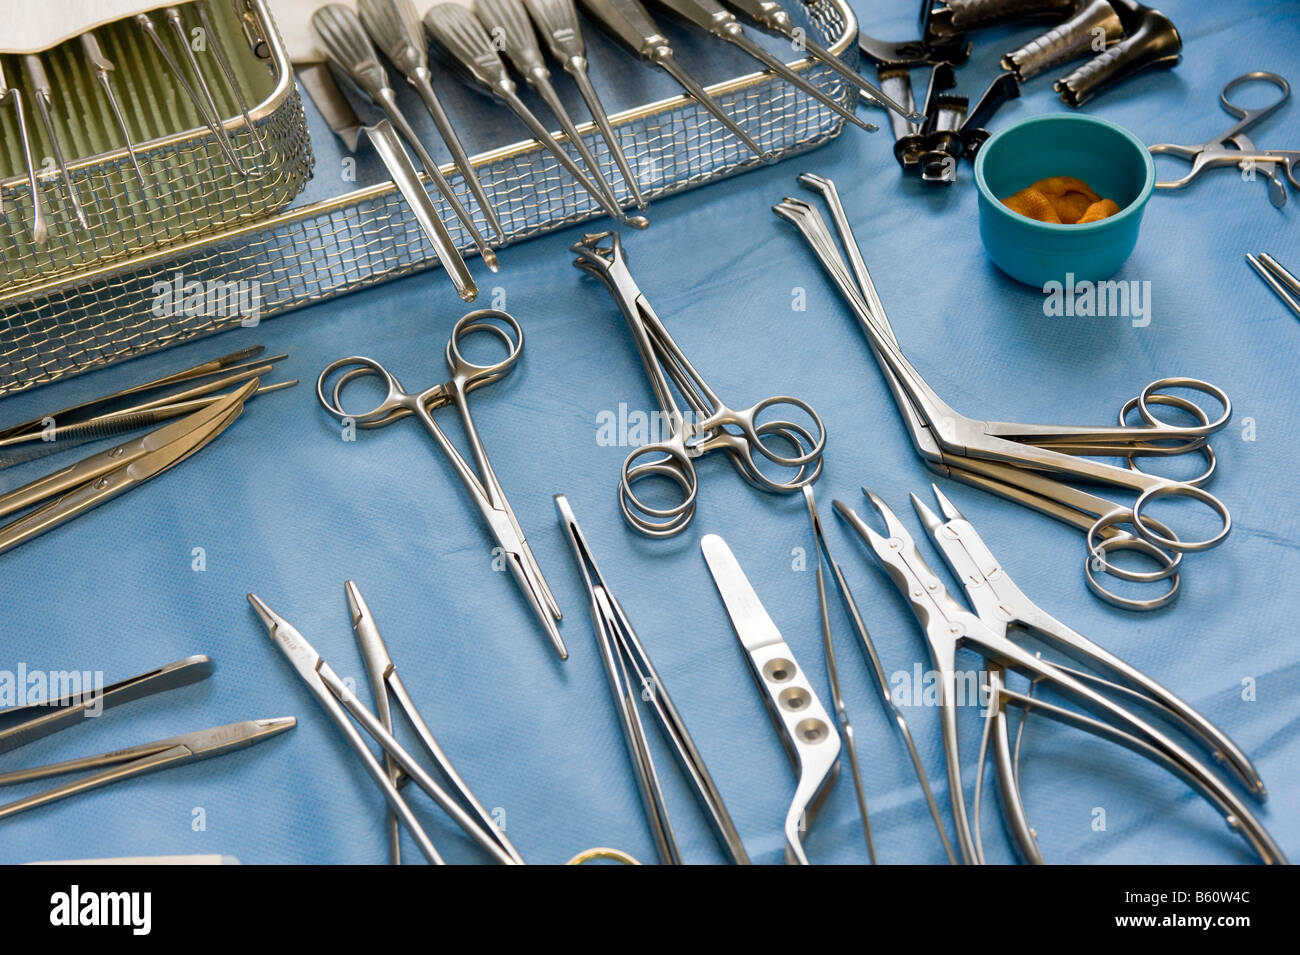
[
  {"x": 338, "y": 701},
  {"x": 999, "y": 607},
  {"x": 806, "y": 729},
  {"x": 741, "y": 434},
  {"x": 1021, "y": 461},
  {"x": 632, "y": 675},
  {"x": 479, "y": 478}
]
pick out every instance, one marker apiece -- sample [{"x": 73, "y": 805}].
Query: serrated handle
[
  {"x": 343, "y": 40},
  {"x": 464, "y": 41},
  {"x": 395, "y": 27},
  {"x": 1066, "y": 41},
  {"x": 558, "y": 22},
  {"x": 507, "y": 21}
]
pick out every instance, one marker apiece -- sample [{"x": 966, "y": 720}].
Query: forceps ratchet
[
  {"x": 479, "y": 478},
  {"x": 1232, "y": 148},
  {"x": 713, "y": 425}
]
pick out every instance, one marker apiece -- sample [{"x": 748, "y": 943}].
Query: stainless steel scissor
[
  {"x": 1029, "y": 463},
  {"x": 749, "y": 436},
  {"x": 1002, "y": 609},
  {"x": 479, "y": 478},
  {"x": 1233, "y": 148}
]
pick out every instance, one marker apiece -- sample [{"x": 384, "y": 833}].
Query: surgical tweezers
[
  {"x": 110, "y": 416},
  {"x": 632, "y": 675},
  {"x": 14, "y": 96},
  {"x": 338, "y": 700},
  {"x": 25, "y": 724},
  {"x": 1285, "y": 285},
  {"x": 103, "y": 476},
  {"x": 1000, "y": 608},
  {"x": 806, "y": 729}
]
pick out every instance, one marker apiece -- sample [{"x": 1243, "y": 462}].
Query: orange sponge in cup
[{"x": 1061, "y": 199}]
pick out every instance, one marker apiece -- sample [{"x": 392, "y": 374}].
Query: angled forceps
[
  {"x": 479, "y": 478},
  {"x": 1027, "y": 462}
]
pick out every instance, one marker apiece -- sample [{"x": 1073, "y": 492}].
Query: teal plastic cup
[{"x": 1109, "y": 158}]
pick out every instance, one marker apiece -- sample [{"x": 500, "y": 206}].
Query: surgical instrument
[
  {"x": 41, "y": 91},
  {"x": 1232, "y": 149},
  {"x": 395, "y": 27},
  {"x": 338, "y": 700},
  {"x": 110, "y": 416},
  {"x": 1282, "y": 282},
  {"x": 557, "y": 21},
  {"x": 744, "y": 435},
  {"x": 833, "y": 676},
  {"x": 632, "y": 675},
  {"x": 628, "y": 23},
  {"x": 348, "y": 49},
  {"x": 806, "y": 730},
  {"x": 103, "y": 68},
  {"x": 463, "y": 43},
  {"x": 877, "y": 668},
  {"x": 206, "y": 108},
  {"x": 712, "y": 18},
  {"x": 771, "y": 17},
  {"x": 343, "y": 120},
  {"x": 1001, "y": 607},
  {"x": 14, "y": 96},
  {"x": 20, "y": 725},
  {"x": 508, "y": 23},
  {"x": 1018, "y": 461},
  {"x": 227, "y": 71},
  {"x": 479, "y": 478},
  {"x": 103, "y": 476},
  {"x": 385, "y": 682},
  {"x": 25, "y": 724}
]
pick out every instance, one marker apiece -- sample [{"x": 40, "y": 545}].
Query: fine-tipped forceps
[
  {"x": 882, "y": 684},
  {"x": 74, "y": 490},
  {"x": 712, "y": 18},
  {"x": 347, "y": 47},
  {"x": 557, "y": 21},
  {"x": 806, "y": 728},
  {"x": 228, "y": 72},
  {"x": 338, "y": 701},
  {"x": 1001, "y": 609},
  {"x": 42, "y": 93},
  {"x": 631, "y": 676},
  {"x": 104, "y": 68},
  {"x": 479, "y": 478},
  {"x": 712, "y": 424},
  {"x": 113, "y": 415},
  {"x": 1022, "y": 461},
  {"x": 1232, "y": 148},
  {"x": 628, "y": 23},
  {"x": 395, "y": 27},
  {"x": 1275, "y": 275},
  {"x": 13, "y": 96},
  {"x": 463, "y": 43},
  {"x": 25, "y": 724},
  {"x": 508, "y": 22},
  {"x": 205, "y": 105},
  {"x": 769, "y": 16}
]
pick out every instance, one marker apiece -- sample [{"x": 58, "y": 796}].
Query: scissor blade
[{"x": 753, "y": 625}]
